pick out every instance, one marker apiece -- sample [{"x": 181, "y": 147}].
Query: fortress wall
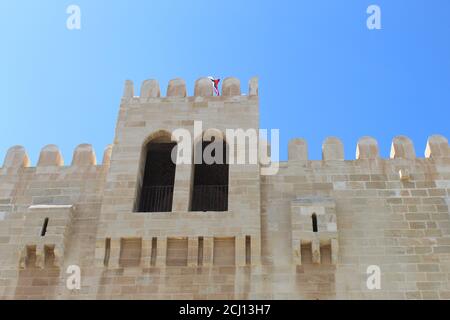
[
  {"x": 383, "y": 218},
  {"x": 393, "y": 213},
  {"x": 48, "y": 185}
]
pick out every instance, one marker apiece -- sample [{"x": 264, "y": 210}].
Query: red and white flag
[{"x": 215, "y": 83}]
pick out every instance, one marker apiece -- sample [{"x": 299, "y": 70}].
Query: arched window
[
  {"x": 158, "y": 178},
  {"x": 314, "y": 222},
  {"x": 210, "y": 188}
]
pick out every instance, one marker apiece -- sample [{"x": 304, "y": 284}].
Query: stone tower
[{"x": 181, "y": 235}]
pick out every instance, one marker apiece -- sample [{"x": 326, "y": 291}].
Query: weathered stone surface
[
  {"x": 84, "y": 155},
  {"x": 332, "y": 149},
  {"x": 107, "y": 155},
  {"x": 231, "y": 87},
  {"x": 150, "y": 89},
  {"x": 437, "y": 147},
  {"x": 392, "y": 213},
  {"x": 176, "y": 88},
  {"x": 367, "y": 148},
  {"x": 50, "y": 156},
  {"x": 253, "y": 87},
  {"x": 16, "y": 157},
  {"x": 203, "y": 88},
  {"x": 298, "y": 150},
  {"x": 128, "y": 90},
  {"x": 402, "y": 148}
]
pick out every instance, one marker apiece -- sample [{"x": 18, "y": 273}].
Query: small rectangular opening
[
  {"x": 248, "y": 250},
  {"x": 200, "y": 251},
  {"x": 49, "y": 255},
  {"x": 44, "y": 227},
  {"x": 314, "y": 223},
  {"x": 154, "y": 251},
  {"x": 107, "y": 251}
]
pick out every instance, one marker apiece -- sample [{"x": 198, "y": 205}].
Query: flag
[{"x": 215, "y": 83}]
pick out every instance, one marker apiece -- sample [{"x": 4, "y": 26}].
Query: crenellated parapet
[
  {"x": 402, "y": 147},
  {"x": 50, "y": 157},
  {"x": 176, "y": 88},
  {"x": 367, "y": 149}
]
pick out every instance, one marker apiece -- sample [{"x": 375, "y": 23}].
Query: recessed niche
[
  {"x": 30, "y": 260},
  {"x": 49, "y": 255},
  {"x": 107, "y": 251},
  {"x": 325, "y": 254},
  {"x": 130, "y": 252},
  {"x": 200, "y": 251},
  {"x": 224, "y": 251},
  {"x": 154, "y": 252},
  {"x": 306, "y": 253},
  {"x": 248, "y": 250},
  {"x": 177, "y": 252}
]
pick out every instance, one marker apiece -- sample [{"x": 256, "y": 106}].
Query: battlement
[
  {"x": 50, "y": 157},
  {"x": 176, "y": 88},
  {"x": 402, "y": 147}
]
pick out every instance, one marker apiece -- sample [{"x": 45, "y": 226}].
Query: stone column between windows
[
  {"x": 114, "y": 253},
  {"x": 182, "y": 187},
  {"x": 192, "y": 251},
  {"x": 255, "y": 247},
  {"x": 161, "y": 252},
  {"x": 208, "y": 251},
  {"x": 146, "y": 253}
]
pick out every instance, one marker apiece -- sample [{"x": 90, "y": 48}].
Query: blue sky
[{"x": 322, "y": 72}]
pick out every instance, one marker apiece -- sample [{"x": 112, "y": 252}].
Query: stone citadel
[{"x": 141, "y": 227}]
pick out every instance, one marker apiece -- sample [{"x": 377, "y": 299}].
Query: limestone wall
[
  {"x": 390, "y": 212},
  {"x": 69, "y": 196},
  {"x": 393, "y": 213}
]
